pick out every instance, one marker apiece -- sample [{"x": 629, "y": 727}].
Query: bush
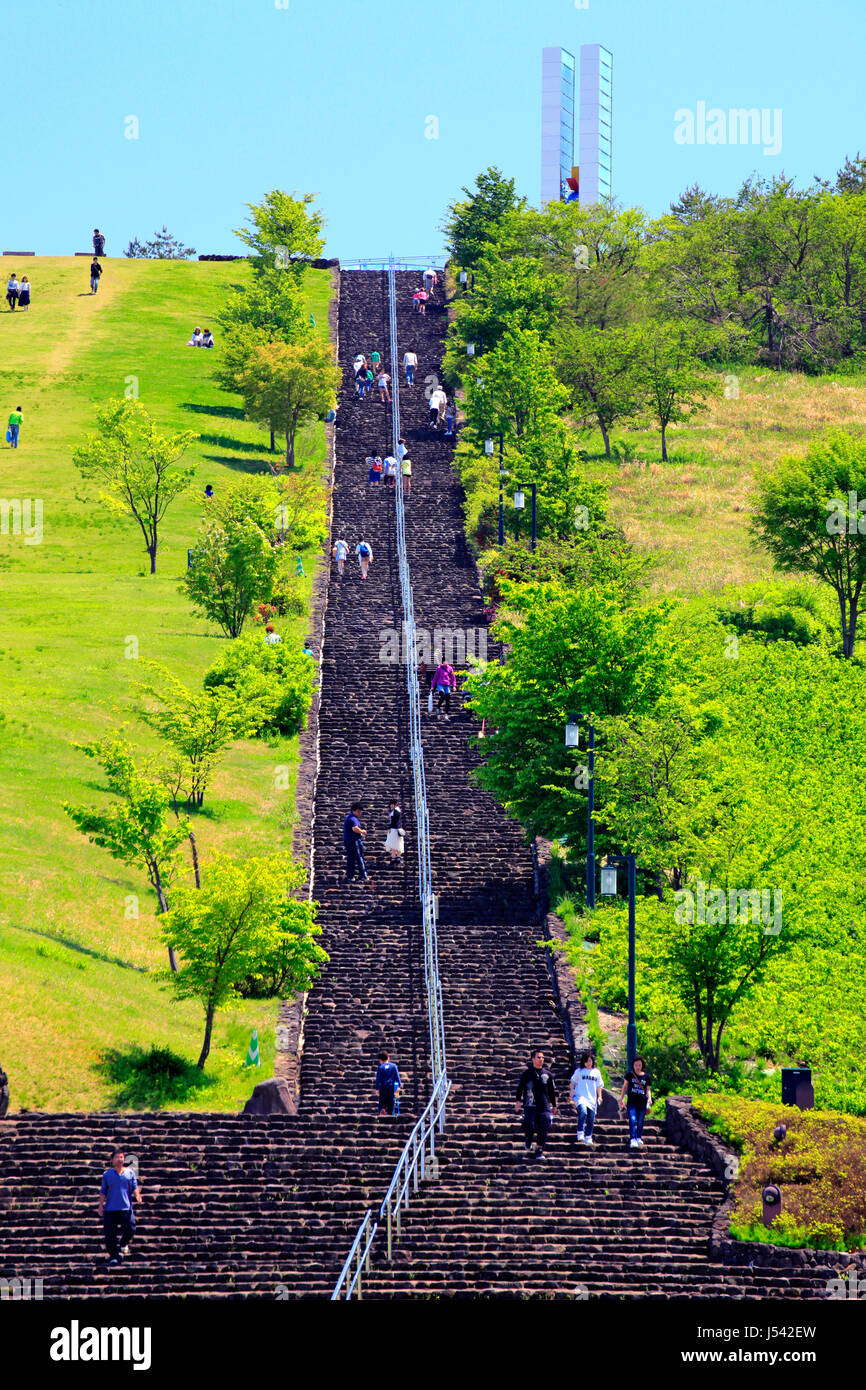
[
  {"x": 820, "y": 1166},
  {"x": 776, "y": 612},
  {"x": 278, "y": 676}
]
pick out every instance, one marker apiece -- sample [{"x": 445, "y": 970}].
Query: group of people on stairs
[{"x": 536, "y": 1095}]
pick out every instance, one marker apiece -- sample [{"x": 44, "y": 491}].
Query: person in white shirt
[
  {"x": 382, "y": 382},
  {"x": 195, "y": 340},
  {"x": 364, "y": 552},
  {"x": 429, "y": 279},
  {"x": 390, "y": 470},
  {"x": 438, "y": 402},
  {"x": 271, "y": 636},
  {"x": 586, "y": 1084},
  {"x": 401, "y": 451},
  {"x": 12, "y": 291},
  {"x": 341, "y": 550},
  {"x": 206, "y": 338},
  {"x": 410, "y": 362}
]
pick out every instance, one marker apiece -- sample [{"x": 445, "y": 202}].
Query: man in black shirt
[
  {"x": 537, "y": 1094},
  {"x": 353, "y": 843}
]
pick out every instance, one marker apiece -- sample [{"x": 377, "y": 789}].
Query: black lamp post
[
  {"x": 572, "y": 740},
  {"x": 608, "y": 887},
  {"x": 520, "y": 503},
  {"x": 488, "y": 449}
]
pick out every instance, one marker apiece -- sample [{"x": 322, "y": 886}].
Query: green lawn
[{"x": 77, "y": 967}]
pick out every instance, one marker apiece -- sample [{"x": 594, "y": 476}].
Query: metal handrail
[
  {"x": 361, "y": 1257},
  {"x": 413, "y": 1160},
  {"x": 412, "y": 1165},
  {"x": 420, "y": 263}
]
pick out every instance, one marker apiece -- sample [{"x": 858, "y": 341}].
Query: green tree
[
  {"x": 161, "y": 247},
  {"x": 287, "y": 385},
  {"x": 135, "y": 467},
  {"x": 244, "y": 922},
  {"x": 198, "y": 725},
  {"x": 236, "y": 560},
  {"x": 135, "y": 828},
  {"x": 675, "y": 379},
  {"x": 282, "y": 231},
  {"x": 513, "y": 389},
  {"x": 570, "y": 651},
  {"x": 602, "y": 375},
  {"x": 808, "y": 514},
  {"x": 473, "y": 224}
]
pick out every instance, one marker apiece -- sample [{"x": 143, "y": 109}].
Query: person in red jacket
[{"x": 444, "y": 681}]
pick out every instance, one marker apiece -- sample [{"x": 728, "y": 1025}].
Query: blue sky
[{"x": 334, "y": 97}]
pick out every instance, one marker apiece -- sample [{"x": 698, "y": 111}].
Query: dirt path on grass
[{"x": 83, "y": 325}]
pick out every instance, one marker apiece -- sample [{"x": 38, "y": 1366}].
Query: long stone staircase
[{"x": 251, "y": 1207}]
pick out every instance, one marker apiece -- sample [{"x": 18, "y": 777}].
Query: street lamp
[
  {"x": 520, "y": 503},
  {"x": 470, "y": 349},
  {"x": 608, "y": 877},
  {"x": 572, "y": 740},
  {"x": 463, "y": 278},
  {"x": 488, "y": 449}
]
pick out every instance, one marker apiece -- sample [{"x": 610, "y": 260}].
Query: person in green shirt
[{"x": 15, "y": 421}]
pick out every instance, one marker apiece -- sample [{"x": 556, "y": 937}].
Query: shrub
[{"x": 276, "y": 675}]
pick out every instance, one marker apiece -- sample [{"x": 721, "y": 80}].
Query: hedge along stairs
[{"x": 239, "y": 1206}]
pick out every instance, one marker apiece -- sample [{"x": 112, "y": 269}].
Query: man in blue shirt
[
  {"x": 119, "y": 1185},
  {"x": 388, "y": 1083},
  {"x": 353, "y": 842}
]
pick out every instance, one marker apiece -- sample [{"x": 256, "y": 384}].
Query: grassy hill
[{"x": 76, "y": 968}]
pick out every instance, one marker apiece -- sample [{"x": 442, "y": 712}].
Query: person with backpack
[
  {"x": 95, "y": 273},
  {"x": 118, "y": 1188},
  {"x": 13, "y": 289},
  {"x": 16, "y": 419},
  {"x": 353, "y": 843},
  {"x": 388, "y": 1083},
  {"x": 636, "y": 1097},
  {"x": 374, "y": 468},
  {"x": 429, "y": 279},
  {"x": 340, "y": 552},
  {"x": 586, "y": 1084},
  {"x": 444, "y": 681},
  {"x": 98, "y": 242},
  {"x": 364, "y": 552},
  {"x": 536, "y": 1093}
]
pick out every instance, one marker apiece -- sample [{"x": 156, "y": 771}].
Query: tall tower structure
[
  {"x": 589, "y": 117},
  {"x": 557, "y": 122},
  {"x": 595, "y": 153}
]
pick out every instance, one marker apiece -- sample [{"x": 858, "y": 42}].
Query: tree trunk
[
  {"x": 208, "y": 1029},
  {"x": 290, "y": 449},
  {"x": 151, "y": 550},
  {"x": 195, "y": 860},
  {"x": 664, "y": 444},
  {"x": 606, "y": 438},
  {"x": 163, "y": 907},
  {"x": 273, "y": 443}
]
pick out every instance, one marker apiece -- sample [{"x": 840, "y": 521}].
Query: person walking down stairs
[
  {"x": 636, "y": 1096},
  {"x": 536, "y": 1092},
  {"x": 394, "y": 838},
  {"x": 353, "y": 843},
  {"x": 586, "y": 1084},
  {"x": 119, "y": 1186},
  {"x": 388, "y": 1083}
]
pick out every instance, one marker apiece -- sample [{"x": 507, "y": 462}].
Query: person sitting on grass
[
  {"x": 206, "y": 338},
  {"x": 195, "y": 340}
]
